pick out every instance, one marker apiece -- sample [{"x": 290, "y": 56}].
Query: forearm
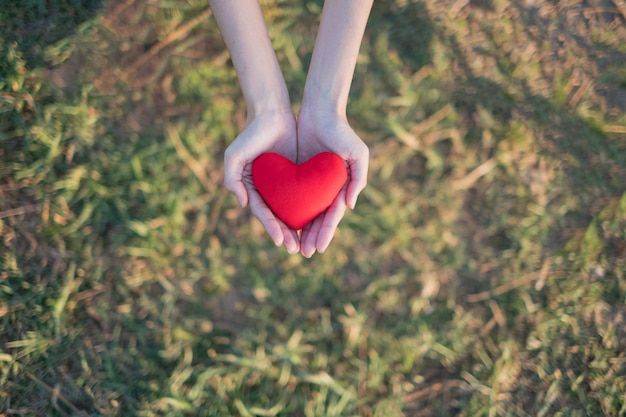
[
  {"x": 244, "y": 32},
  {"x": 335, "y": 54}
]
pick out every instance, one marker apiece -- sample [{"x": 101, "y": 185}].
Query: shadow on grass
[
  {"x": 580, "y": 26},
  {"x": 408, "y": 27},
  {"x": 593, "y": 165},
  {"x": 37, "y": 24}
]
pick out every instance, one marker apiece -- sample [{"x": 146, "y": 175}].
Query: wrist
[
  {"x": 324, "y": 98},
  {"x": 278, "y": 120},
  {"x": 316, "y": 121},
  {"x": 273, "y": 101},
  {"x": 320, "y": 110}
]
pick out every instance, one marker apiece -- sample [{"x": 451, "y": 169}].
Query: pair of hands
[
  {"x": 312, "y": 133},
  {"x": 321, "y": 125}
]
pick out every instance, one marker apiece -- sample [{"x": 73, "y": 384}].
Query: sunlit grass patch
[{"x": 481, "y": 273}]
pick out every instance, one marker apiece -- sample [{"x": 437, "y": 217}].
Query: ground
[{"x": 482, "y": 272}]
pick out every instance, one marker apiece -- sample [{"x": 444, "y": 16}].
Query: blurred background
[{"x": 482, "y": 273}]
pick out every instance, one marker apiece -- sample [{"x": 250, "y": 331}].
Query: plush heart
[{"x": 296, "y": 193}]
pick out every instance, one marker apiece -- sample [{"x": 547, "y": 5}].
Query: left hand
[{"x": 330, "y": 132}]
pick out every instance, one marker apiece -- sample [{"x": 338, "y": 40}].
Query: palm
[
  {"x": 333, "y": 134},
  {"x": 259, "y": 138}
]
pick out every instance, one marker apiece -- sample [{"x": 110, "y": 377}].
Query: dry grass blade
[
  {"x": 614, "y": 129},
  {"x": 621, "y": 6},
  {"x": 56, "y": 395},
  {"x": 509, "y": 286},
  {"x": 471, "y": 178},
  {"x": 180, "y": 33},
  {"x": 432, "y": 121},
  {"x": 196, "y": 167},
  {"x": 18, "y": 211},
  {"x": 433, "y": 390}
]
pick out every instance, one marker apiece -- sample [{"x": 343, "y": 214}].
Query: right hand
[{"x": 273, "y": 132}]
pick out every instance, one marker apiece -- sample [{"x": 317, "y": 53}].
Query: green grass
[{"x": 481, "y": 274}]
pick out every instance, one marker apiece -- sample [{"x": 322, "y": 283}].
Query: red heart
[{"x": 296, "y": 193}]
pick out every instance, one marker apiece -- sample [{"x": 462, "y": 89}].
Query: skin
[
  {"x": 270, "y": 125},
  {"x": 322, "y": 124}
]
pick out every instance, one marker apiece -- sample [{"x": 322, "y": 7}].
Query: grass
[{"x": 481, "y": 274}]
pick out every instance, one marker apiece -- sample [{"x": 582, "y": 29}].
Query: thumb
[
  {"x": 358, "y": 175},
  {"x": 233, "y": 177}
]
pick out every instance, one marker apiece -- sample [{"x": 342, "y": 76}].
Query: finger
[
  {"x": 308, "y": 238},
  {"x": 277, "y": 229},
  {"x": 233, "y": 174},
  {"x": 290, "y": 236},
  {"x": 330, "y": 221},
  {"x": 266, "y": 217},
  {"x": 240, "y": 192},
  {"x": 358, "y": 176}
]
